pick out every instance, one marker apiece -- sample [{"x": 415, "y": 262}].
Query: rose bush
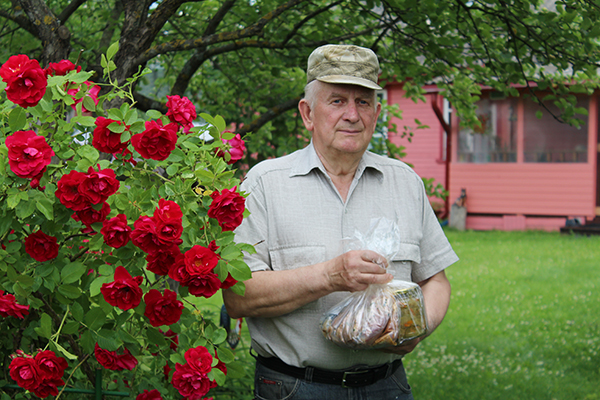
[{"x": 115, "y": 225}]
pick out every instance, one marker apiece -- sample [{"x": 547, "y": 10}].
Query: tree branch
[
  {"x": 54, "y": 36},
  {"x": 198, "y": 58},
  {"x": 269, "y": 115},
  {"x": 20, "y": 20},
  {"x": 181, "y": 45},
  {"x": 69, "y": 10}
]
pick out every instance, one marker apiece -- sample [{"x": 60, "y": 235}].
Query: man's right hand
[{"x": 355, "y": 270}]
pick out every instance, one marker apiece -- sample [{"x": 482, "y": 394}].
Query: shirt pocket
[
  {"x": 403, "y": 262},
  {"x": 292, "y": 257}
]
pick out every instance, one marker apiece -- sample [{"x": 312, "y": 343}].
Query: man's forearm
[
  {"x": 275, "y": 293},
  {"x": 436, "y": 293}
]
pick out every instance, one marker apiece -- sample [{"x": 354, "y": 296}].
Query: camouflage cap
[{"x": 347, "y": 64}]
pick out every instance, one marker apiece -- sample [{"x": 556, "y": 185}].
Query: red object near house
[{"x": 519, "y": 171}]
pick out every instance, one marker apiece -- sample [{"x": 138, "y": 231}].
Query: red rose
[
  {"x": 163, "y": 259},
  {"x": 116, "y": 231},
  {"x": 106, "y": 140},
  {"x": 28, "y": 154},
  {"x": 178, "y": 272},
  {"x": 126, "y": 360},
  {"x": 190, "y": 383},
  {"x": 227, "y": 208},
  {"x": 48, "y": 388},
  {"x": 182, "y": 111},
  {"x": 144, "y": 235},
  {"x": 90, "y": 215},
  {"x": 204, "y": 285},
  {"x": 173, "y": 338},
  {"x": 60, "y": 68},
  {"x": 9, "y": 306},
  {"x": 99, "y": 185},
  {"x": 169, "y": 232},
  {"x": 25, "y": 79},
  {"x": 233, "y": 150},
  {"x": 113, "y": 361},
  {"x": 92, "y": 91},
  {"x": 162, "y": 309},
  {"x": 41, "y": 247},
  {"x": 25, "y": 371},
  {"x": 228, "y": 282},
  {"x": 149, "y": 395},
  {"x": 191, "y": 379},
  {"x": 124, "y": 292},
  {"x": 200, "y": 260},
  {"x": 67, "y": 191},
  {"x": 168, "y": 210},
  {"x": 157, "y": 141},
  {"x": 51, "y": 367}
]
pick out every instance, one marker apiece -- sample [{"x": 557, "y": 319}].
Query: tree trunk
[{"x": 56, "y": 38}]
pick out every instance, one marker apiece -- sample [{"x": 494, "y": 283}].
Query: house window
[
  {"x": 495, "y": 139},
  {"x": 549, "y": 140}
]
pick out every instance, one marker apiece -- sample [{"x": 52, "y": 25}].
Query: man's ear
[{"x": 306, "y": 113}]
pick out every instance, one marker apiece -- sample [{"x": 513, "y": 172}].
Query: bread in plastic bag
[{"x": 382, "y": 315}]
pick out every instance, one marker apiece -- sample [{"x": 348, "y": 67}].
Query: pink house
[{"x": 519, "y": 172}]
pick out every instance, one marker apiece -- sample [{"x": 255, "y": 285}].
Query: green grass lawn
[{"x": 523, "y": 323}]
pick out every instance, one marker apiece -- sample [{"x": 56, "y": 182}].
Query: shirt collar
[{"x": 308, "y": 160}]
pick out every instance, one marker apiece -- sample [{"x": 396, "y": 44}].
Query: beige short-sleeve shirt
[{"x": 300, "y": 219}]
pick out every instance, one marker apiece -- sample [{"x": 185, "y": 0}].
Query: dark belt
[{"x": 361, "y": 376}]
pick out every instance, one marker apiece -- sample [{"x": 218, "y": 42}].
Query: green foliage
[
  {"x": 246, "y": 60},
  {"x": 521, "y": 320},
  {"x": 67, "y": 311}
]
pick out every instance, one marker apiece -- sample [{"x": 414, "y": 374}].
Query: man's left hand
[{"x": 405, "y": 348}]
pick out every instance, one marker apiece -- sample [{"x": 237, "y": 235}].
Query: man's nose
[{"x": 351, "y": 113}]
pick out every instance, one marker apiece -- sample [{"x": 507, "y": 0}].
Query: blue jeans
[{"x": 273, "y": 385}]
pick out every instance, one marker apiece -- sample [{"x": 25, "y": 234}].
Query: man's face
[{"x": 342, "y": 118}]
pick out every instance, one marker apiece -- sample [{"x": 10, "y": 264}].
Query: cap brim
[{"x": 349, "y": 80}]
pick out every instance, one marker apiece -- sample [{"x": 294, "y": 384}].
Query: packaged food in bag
[{"x": 382, "y": 315}]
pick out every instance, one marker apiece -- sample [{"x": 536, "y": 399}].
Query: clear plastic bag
[{"x": 382, "y": 315}]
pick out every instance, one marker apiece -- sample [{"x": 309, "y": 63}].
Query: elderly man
[{"x": 302, "y": 206}]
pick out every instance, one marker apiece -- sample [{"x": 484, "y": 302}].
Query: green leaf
[
  {"x": 45, "y": 206},
  {"x": 77, "y": 311},
  {"x": 72, "y": 272},
  {"x": 231, "y": 252},
  {"x": 239, "y": 270},
  {"x": 112, "y": 50},
  {"x": 95, "y": 318},
  {"x": 217, "y": 375},
  {"x": 83, "y": 120},
  {"x": 89, "y": 153},
  {"x": 154, "y": 114},
  {"x": 70, "y": 327},
  {"x": 45, "y": 328},
  {"x": 26, "y": 209},
  {"x": 172, "y": 169},
  {"x": 108, "y": 340},
  {"x": 89, "y": 104},
  {"x": 116, "y": 127},
  {"x": 64, "y": 351},
  {"x": 219, "y": 336},
  {"x": 226, "y": 355},
  {"x": 97, "y": 284},
  {"x": 70, "y": 292},
  {"x": 155, "y": 337},
  {"x": 17, "y": 119},
  {"x": 177, "y": 358}
]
